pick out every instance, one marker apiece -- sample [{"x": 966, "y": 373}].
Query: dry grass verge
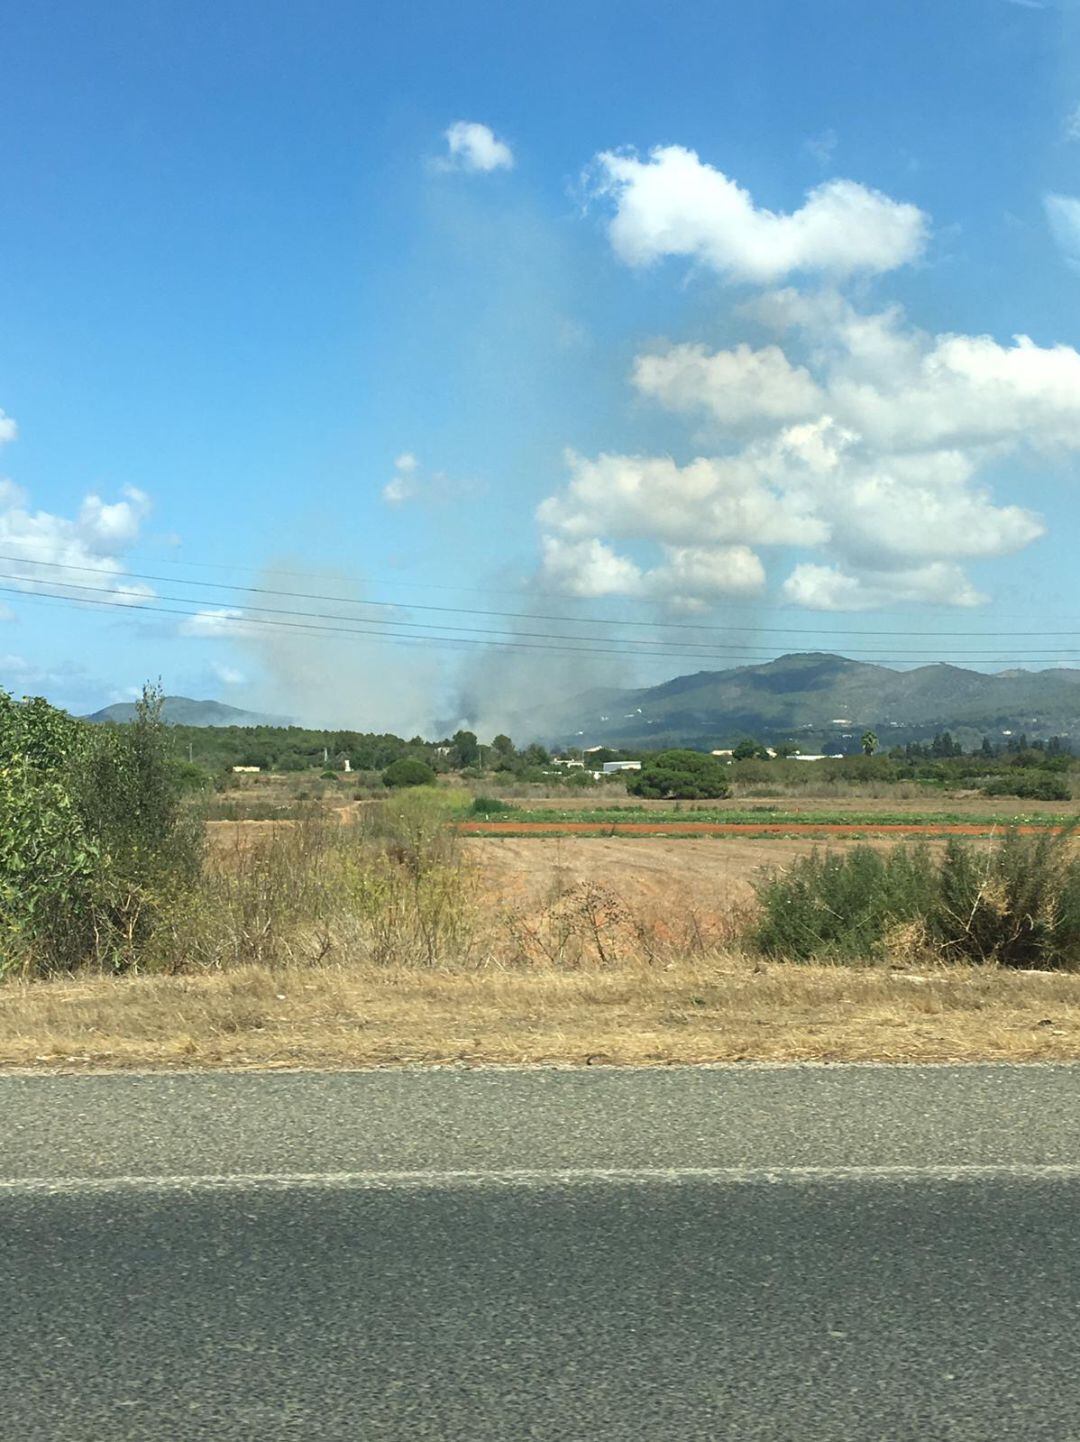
[{"x": 725, "y": 1009}]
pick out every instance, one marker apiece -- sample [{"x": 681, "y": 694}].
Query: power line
[
  {"x": 535, "y": 641},
  {"x": 700, "y": 648},
  {"x": 517, "y": 615}
]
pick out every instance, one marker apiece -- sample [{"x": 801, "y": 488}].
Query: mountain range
[
  {"x": 183, "y": 711},
  {"x": 825, "y": 702}
]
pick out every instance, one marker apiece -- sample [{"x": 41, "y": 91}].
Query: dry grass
[
  {"x": 391, "y": 942},
  {"x": 725, "y": 1009}
]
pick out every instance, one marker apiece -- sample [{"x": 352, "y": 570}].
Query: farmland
[{"x": 318, "y": 919}]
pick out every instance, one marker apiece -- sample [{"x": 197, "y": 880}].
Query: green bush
[
  {"x": 685, "y": 775},
  {"x": 95, "y": 845},
  {"x": 407, "y": 772},
  {"x": 1016, "y": 905},
  {"x": 840, "y": 907},
  {"x": 488, "y": 806},
  {"x": 1030, "y": 786}
]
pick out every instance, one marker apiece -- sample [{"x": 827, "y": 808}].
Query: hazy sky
[{"x": 753, "y": 317}]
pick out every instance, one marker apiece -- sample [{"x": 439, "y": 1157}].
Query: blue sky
[{"x": 706, "y": 323}]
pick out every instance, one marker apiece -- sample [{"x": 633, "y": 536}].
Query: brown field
[
  {"x": 652, "y": 875},
  {"x": 688, "y": 996}
]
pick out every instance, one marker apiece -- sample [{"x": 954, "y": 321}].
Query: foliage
[
  {"x": 489, "y": 806},
  {"x": 680, "y": 774},
  {"x": 1017, "y": 904},
  {"x": 749, "y": 750},
  {"x": 408, "y": 772},
  {"x": 830, "y": 906},
  {"x": 94, "y": 843},
  {"x": 869, "y": 742},
  {"x": 1030, "y": 786}
]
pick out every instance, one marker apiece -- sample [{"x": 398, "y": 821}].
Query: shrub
[
  {"x": 488, "y": 806},
  {"x": 1030, "y": 786},
  {"x": 408, "y": 772},
  {"x": 1017, "y": 904},
  {"x": 834, "y": 907},
  {"x": 686, "y": 775},
  {"x": 95, "y": 846}
]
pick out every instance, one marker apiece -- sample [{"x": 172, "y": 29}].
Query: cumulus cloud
[
  {"x": 827, "y": 588},
  {"x": 862, "y": 438},
  {"x": 710, "y": 500},
  {"x": 739, "y": 387},
  {"x": 8, "y": 429},
  {"x": 687, "y": 578},
  {"x": 471, "y": 146},
  {"x": 674, "y": 204},
  {"x": 60, "y": 553}
]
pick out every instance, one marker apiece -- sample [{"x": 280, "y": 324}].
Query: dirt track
[{"x": 731, "y": 828}]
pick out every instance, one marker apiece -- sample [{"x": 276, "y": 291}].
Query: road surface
[{"x": 849, "y": 1254}]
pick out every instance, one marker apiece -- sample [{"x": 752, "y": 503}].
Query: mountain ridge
[
  {"x": 184, "y": 711},
  {"x": 825, "y": 698}
]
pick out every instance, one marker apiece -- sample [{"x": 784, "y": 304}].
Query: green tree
[
  {"x": 503, "y": 746},
  {"x": 683, "y": 775},
  {"x": 466, "y": 748},
  {"x": 408, "y": 772},
  {"x": 869, "y": 743},
  {"x": 749, "y": 750}
]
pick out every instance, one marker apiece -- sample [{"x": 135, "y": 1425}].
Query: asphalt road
[{"x": 835, "y": 1255}]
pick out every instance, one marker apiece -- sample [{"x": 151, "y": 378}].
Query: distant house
[
  {"x": 247, "y": 768},
  {"x": 611, "y": 767}
]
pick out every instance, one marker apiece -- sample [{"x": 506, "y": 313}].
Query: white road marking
[{"x": 516, "y": 1177}]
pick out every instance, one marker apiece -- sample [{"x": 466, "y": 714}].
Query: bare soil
[{"x": 729, "y": 828}]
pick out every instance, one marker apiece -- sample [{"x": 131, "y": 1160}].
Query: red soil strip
[{"x": 730, "y": 828}]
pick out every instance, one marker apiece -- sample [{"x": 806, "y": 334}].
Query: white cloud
[
  {"x": 735, "y": 387},
  {"x": 216, "y": 622},
  {"x": 827, "y": 588},
  {"x": 8, "y": 429},
  {"x": 228, "y": 675},
  {"x": 709, "y": 501},
  {"x": 472, "y": 146},
  {"x": 673, "y": 204},
  {"x": 1072, "y": 124},
  {"x": 588, "y": 568},
  {"x": 867, "y": 443},
  {"x": 688, "y": 578},
  {"x": 71, "y": 553},
  {"x": 1063, "y": 217},
  {"x": 904, "y": 389}
]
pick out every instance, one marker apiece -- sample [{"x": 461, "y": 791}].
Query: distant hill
[
  {"x": 183, "y": 711},
  {"x": 824, "y": 701}
]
